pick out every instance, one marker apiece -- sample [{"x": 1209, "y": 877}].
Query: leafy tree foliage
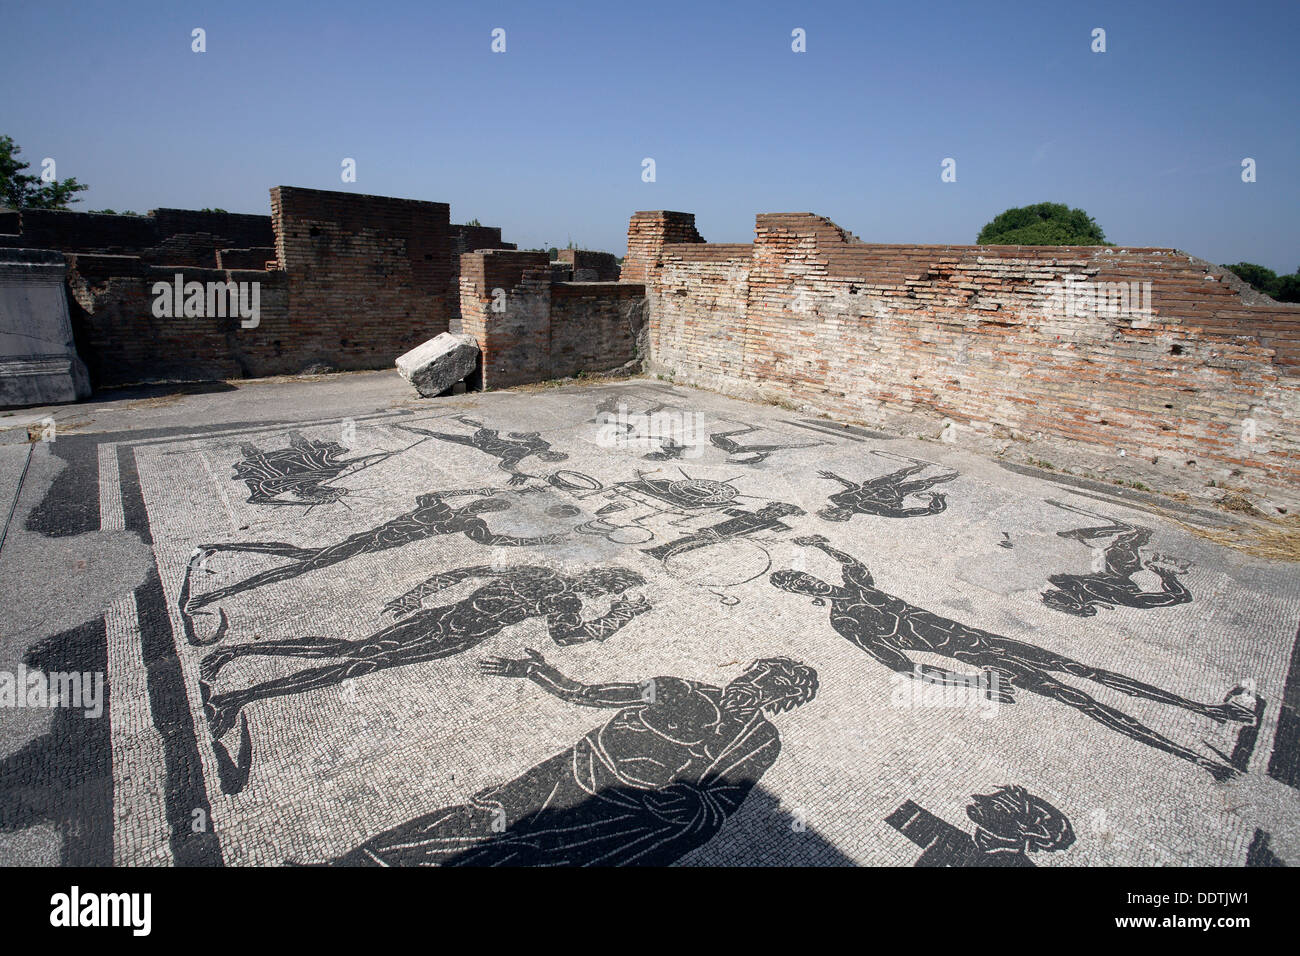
[
  {"x": 1043, "y": 224},
  {"x": 18, "y": 190},
  {"x": 1288, "y": 287},
  {"x": 1265, "y": 280}
]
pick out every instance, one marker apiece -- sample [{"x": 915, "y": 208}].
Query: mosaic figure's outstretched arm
[{"x": 535, "y": 668}]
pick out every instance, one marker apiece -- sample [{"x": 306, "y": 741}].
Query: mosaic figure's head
[
  {"x": 772, "y": 684},
  {"x": 800, "y": 582},
  {"x": 1014, "y": 815}
]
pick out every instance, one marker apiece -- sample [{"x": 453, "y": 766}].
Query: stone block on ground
[
  {"x": 439, "y": 363},
  {"x": 39, "y": 364}
]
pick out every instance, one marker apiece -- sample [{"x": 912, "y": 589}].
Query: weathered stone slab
[
  {"x": 38, "y": 361},
  {"x": 439, "y": 363}
]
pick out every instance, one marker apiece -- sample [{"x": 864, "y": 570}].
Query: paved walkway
[{"x": 318, "y": 622}]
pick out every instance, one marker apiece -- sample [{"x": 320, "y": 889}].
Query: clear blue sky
[{"x": 547, "y": 139}]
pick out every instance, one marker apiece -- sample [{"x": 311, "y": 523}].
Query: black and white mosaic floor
[{"x": 632, "y": 624}]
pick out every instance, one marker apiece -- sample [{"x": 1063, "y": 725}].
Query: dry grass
[
  {"x": 1239, "y": 504},
  {"x": 1277, "y": 539},
  {"x": 160, "y": 401}
]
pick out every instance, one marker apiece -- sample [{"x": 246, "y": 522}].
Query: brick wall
[
  {"x": 470, "y": 238},
  {"x": 187, "y": 237},
  {"x": 84, "y": 232},
  {"x": 463, "y": 239},
  {"x": 589, "y": 266},
  {"x": 356, "y": 281},
  {"x": 361, "y": 280},
  {"x": 122, "y": 341},
  {"x": 814, "y": 316},
  {"x": 257, "y": 257},
  {"x": 595, "y": 326},
  {"x": 368, "y": 276},
  {"x": 699, "y": 301},
  {"x": 647, "y": 234},
  {"x": 546, "y": 329},
  {"x": 515, "y": 342},
  {"x": 238, "y": 229}
]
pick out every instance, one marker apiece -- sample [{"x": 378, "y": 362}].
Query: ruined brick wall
[
  {"x": 973, "y": 335},
  {"x": 647, "y": 234},
  {"x": 238, "y": 229},
  {"x": 595, "y": 326},
  {"x": 355, "y": 281},
  {"x": 545, "y": 329},
  {"x": 470, "y": 238},
  {"x": 255, "y": 258},
  {"x": 122, "y": 341},
  {"x": 515, "y": 341},
  {"x": 463, "y": 239},
  {"x": 590, "y": 266},
  {"x": 699, "y": 301},
  {"x": 187, "y": 237},
  {"x": 189, "y": 249},
  {"x": 368, "y": 276},
  {"x": 83, "y": 232}
]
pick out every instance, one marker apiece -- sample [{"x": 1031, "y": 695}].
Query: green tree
[
  {"x": 1288, "y": 288},
  {"x": 1043, "y": 224},
  {"x": 18, "y": 190},
  {"x": 1261, "y": 278}
]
